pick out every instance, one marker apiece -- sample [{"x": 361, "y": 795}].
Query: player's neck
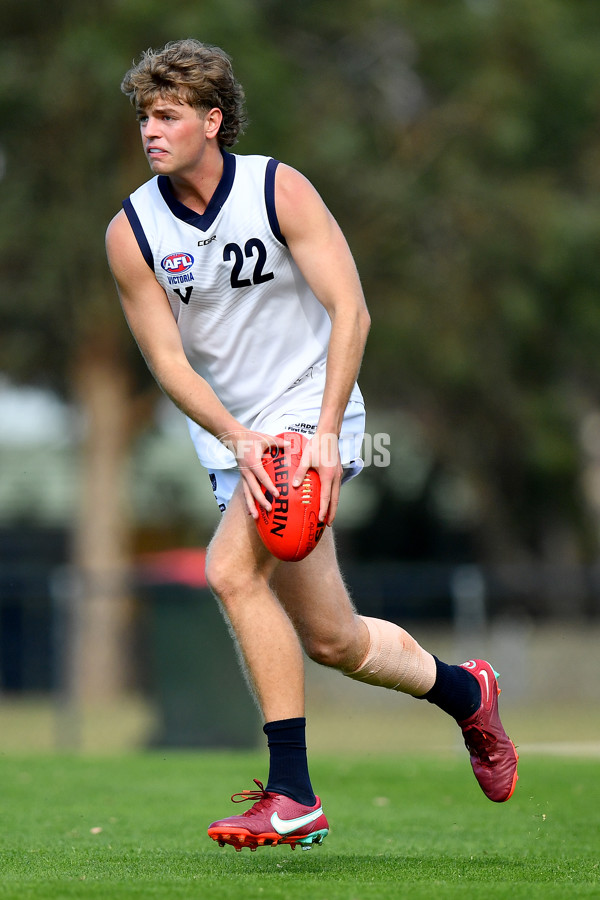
[{"x": 195, "y": 188}]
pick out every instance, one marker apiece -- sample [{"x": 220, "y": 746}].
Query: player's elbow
[{"x": 364, "y": 322}]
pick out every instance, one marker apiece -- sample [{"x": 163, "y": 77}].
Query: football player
[{"x": 244, "y": 299}]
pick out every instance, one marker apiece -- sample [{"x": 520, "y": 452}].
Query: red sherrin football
[{"x": 291, "y": 529}]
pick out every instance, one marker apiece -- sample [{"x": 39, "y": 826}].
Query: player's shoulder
[
  {"x": 116, "y": 227},
  {"x": 295, "y": 194},
  {"x": 140, "y": 203},
  {"x": 250, "y": 160},
  {"x": 122, "y": 248},
  {"x": 293, "y": 179},
  {"x": 250, "y": 165},
  {"x": 147, "y": 192},
  {"x": 260, "y": 162}
]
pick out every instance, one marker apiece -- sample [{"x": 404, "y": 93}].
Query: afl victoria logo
[{"x": 176, "y": 263}]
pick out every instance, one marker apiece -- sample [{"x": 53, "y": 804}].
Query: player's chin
[{"x": 160, "y": 165}]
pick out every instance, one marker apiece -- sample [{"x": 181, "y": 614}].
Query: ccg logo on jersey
[{"x": 177, "y": 263}]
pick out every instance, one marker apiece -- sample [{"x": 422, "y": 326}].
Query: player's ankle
[
  {"x": 288, "y": 768},
  {"x": 455, "y": 691}
]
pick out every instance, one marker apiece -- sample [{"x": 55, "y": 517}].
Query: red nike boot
[
  {"x": 273, "y": 819},
  {"x": 493, "y": 754}
]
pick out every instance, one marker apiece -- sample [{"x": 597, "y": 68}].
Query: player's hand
[
  {"x": 323, "y": 454},
  {"x": 248, "y": 448}
]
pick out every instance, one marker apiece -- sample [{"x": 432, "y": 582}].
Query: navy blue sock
[
  {"x": 455, "y": 691},
  {"x": 288, "y": 769}
]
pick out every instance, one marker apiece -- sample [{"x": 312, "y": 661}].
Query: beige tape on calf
[{"x": 394, "y": 660}]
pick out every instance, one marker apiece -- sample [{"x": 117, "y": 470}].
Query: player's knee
[
  {"x": 222, "y": 575},
  {"x": 228, "y": 577},
  {"x": 328, "y": 650}
]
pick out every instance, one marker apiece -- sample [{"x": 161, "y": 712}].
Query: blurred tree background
[{"x": 457, "y": 143}]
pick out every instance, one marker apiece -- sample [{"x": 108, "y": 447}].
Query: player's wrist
[{"x": 325, "y": 449}]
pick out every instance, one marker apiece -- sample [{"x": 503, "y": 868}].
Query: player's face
[{"x": 173, "y": 136}]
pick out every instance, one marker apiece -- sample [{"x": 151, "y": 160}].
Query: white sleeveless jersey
[{"x": 249, "y": 323}]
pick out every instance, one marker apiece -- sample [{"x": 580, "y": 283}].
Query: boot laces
[
  {"x": 261, "y": 797},
  {"x": 479, "y": 743}
]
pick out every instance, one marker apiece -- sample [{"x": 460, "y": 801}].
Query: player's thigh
[
  {"x": 314, "y": 596},
  {"x": 236, "y": 553}
]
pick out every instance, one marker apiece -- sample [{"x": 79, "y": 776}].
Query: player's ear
[{"x": 212, "y": 122}]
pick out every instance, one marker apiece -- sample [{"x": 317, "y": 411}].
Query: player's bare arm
[
  {"x": 153, "y": 326},
  {"x": 322, "y": 254}
]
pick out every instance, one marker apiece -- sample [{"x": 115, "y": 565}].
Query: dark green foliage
[{"x": 457, "y": 143}]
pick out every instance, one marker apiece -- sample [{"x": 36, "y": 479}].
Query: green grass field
[{"x": 134, "y": 826}]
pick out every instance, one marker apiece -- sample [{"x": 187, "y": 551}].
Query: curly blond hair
[{"x": 191, "y": 72}]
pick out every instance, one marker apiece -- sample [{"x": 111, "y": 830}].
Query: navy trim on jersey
[
  {"x": 270, "y": 200},
  {"x": 139, "y": 232},
  {"x": 202, "y": 222}
]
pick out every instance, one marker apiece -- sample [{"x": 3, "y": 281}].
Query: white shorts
[{"x": 224, "y": 481}]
